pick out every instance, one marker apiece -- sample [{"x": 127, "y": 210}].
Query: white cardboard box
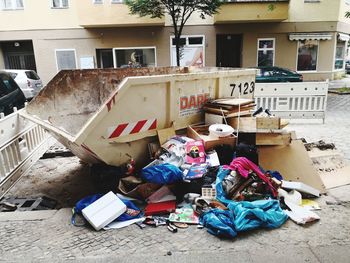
[
  {"x": 301, "y": 187},
  {"x": 104, "y": 210}
]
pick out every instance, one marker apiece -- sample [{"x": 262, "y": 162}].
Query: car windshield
[
  {"x": 7, "y": 84},
  {"x": 32, "y": 75}
]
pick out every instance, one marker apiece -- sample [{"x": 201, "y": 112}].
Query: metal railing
[
  {"x": 293, "y": 100},
  {"x": 22, "y": 143}
]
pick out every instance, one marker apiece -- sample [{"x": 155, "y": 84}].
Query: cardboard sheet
[
  {"x": 333, "y": 169},
  {"x": 293, "y": 162}
]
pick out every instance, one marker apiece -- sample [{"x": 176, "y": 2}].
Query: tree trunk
[{"x": 178, "y": 53}]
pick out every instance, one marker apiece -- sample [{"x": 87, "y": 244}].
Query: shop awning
[
  {"x": 343, "y": 37},
  {"x": 310, "y": 36}
]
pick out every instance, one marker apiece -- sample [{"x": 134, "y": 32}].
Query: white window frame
[
  {"x": 147, "y": 47},
  {"x": 267, "y": 49},
  {"x": 335, "y": 53},
  {"x": 296, "y": 62},
  {"x": 13, "y": 5},
  {"x": 67, "y": 49},
  {"x": 97, "y": 2},
  {"x": 61, "y": 5},
  {"x": 116, "y": 1},
  {"x": 188, "y": 45}
]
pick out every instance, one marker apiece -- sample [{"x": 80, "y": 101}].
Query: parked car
[
  {"x": 27, "y": 80},
  {"x": 277, "y": 74},
  {"x": 10, "y": 94},
  {"x": 347, "y": 66}
]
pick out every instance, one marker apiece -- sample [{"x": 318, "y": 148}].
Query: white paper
[
  {"x": 299, "y": 214},
  {"x": 213, "y": 159},
  {"x": 118, "y": 225}
]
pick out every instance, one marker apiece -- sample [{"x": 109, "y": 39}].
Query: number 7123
[{"x": 243, "y": 88}]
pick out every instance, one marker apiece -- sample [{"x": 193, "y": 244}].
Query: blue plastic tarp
[
  {"x": 162, "y": 174},
  {"x": 241, "y": 216}
]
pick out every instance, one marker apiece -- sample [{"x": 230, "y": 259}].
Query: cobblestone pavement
[
  {"x": 336, "y": 127},
  {"x": 25, "y": 239}
]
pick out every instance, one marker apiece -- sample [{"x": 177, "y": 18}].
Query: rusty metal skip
[{"x": 108, "y": 115}]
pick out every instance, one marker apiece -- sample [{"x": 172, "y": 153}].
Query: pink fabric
[{"x": 243, "y": 166}]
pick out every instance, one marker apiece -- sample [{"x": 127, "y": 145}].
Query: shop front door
[{"x": 228, "y": 50}]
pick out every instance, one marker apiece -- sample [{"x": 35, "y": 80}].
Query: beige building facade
[{"x": 307, "y": 36}]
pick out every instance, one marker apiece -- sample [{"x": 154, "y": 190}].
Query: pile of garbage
[{"x": 207, "y": 178}]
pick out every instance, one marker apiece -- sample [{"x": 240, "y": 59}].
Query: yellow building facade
[{"x": 308, "y": 36}]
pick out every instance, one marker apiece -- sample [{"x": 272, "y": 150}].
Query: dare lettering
[{"x": 193, "y": 101}]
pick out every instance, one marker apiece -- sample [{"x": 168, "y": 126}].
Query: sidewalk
[
  {"x": 48, "y": 236},
  {"x": 340, "y": 83}
]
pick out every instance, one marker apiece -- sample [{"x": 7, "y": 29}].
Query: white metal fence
[
  {"x": 293, "y": 100},
  {"x": 22, "y": 143}
]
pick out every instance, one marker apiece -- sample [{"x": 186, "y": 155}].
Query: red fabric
[{"x": 243, "y": 166}]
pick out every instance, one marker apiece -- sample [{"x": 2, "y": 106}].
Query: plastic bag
[
  {"x": 81, "y": 204},
  {"x": 132, "y": 211},
  {"x": 241, "y": 216},
  {"x": 162, "y": 174},
  {"x": 219, "y": 223}
]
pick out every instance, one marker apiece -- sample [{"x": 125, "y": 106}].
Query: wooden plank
[
  {"x": 241, "y": 113},
  {"x": 293, "y": 162},
  {"x": 219, "y": 110},
  {"x": 244, "y": 124},
  {"x": 256, "y": 124},
  {"x": 283, "y": 123},
  {"x": 233, "y": 102},
  {"x": 268, "y": 123},
  {"x": 214, "y": 118}
]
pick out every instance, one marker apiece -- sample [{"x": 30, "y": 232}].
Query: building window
[
  {"x": 66, "y": 59},
  {"x": 98, "y": 1},
  {"x": 339, "y": 55},
  {"x": 11, "y": 4},
  {"x": 116, "y": 1},
  {"x": 266, "y": 52},
  {"x": 60, "y": 4},
  {"x": 192, "y": 51},
  {"x": 134, "y": 57},
  {"x": 307, "y": 55}
]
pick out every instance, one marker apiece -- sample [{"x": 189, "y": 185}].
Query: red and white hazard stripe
[{"x": 132, "y": 128}]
